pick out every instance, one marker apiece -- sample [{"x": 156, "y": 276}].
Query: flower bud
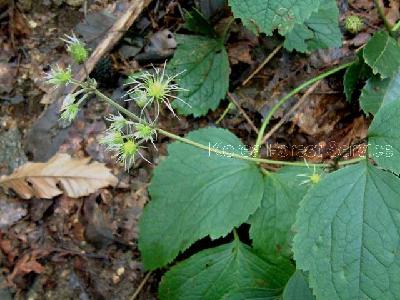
[
  {"x": 76, "y": 49},
  {"x": 353, "y": 24},
  {"x": 59, "y": 76},
  {"x": 70, "y": 112}
]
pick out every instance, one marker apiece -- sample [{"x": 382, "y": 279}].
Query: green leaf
[
  {"x": 297, "y": 288},
  {"x": 358, "y": 72},
  {"x": 252, "y": 294},
  {"x": 197, "y": 22},
  {"x": 204, "y": 64},
  {"x": 271, "y": 224},
  {"x": 268, "y": 15},
  {"x": 378, "y": 92},
  {"x": 348, "y": 235},
  {"x": 320, "y": 31},
  {"x": 214, "y": 273},
  {"x": 384, "y": 137},
  {"x": 382, "y": 54},
  {"x": 196, "y": 193}
]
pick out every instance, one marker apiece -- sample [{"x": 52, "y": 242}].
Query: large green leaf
[
  {"x": 358, "y": 72},
  {"x": 268, "y": 15},
  {"x": 321, "y": 30},
  {"x": 252, "y": 294},
  {"x": 212, "y": 274},
  {"x": 378, "y": 92},
  {"x": 382, "y": 54},
  {"x": 297, "y": 288},
  {"x": 348, "y": 235},
  {"x": 204, "y": 64},
  {"x": 271, "y": 224},
  {"x": 384, "y": 137},
  {"x": 196, "y": 193}
]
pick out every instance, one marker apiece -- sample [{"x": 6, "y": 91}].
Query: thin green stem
[
  {"x": 249, "y": 158},
  {"x": 396, "y": 27},
  {"x": 287, "y": 97},
  {"x": 117, "y": 106},
  {"x": 381, "y": 12},
  {"x": 210, "y": 149}
]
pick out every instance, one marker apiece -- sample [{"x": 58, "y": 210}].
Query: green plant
[{"x": 328, "y": 230}]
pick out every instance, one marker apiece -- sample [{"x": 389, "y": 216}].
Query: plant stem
[
  {"x": 249, "y": 158},
  {"x": 287, "y": 97},
  {"x": 209, "y": 149},
  {"x": 117, "y": 106},
  {"x": 396, "y": 27},
  {"x": 381, "y": 12}
]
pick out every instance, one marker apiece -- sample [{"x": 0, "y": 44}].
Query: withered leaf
[{"x": 75, "y": 177}]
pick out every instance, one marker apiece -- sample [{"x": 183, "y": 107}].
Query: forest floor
[{"x": 60, "y": 248}]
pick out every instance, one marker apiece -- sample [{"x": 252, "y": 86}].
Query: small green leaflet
[
  {"x": 197, "y": 22},
  {"x": 268, "y": 15},
  {"x": 378, "y": 92},
  {"x": 320, "y": 31},
  {"x": 204, "y": 64},
  {"x": 348, "y": 234},
  {"x": 384, "y": 137},
  {"x": 382, "y": 54},
  {"x": 214, "y": 273},
  {"x": 195, "y": 193},
  {"x": 271, "y": 225},
  {"x": 297, "y": 288},
  {"x": 358, "y": 72}
]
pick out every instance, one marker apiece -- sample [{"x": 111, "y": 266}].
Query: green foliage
[
  {"x": 251, "y": 294},
  {"x": 209, "y": 186},
  {"x": 340, "y": 231},
  {"x": 358, "y": 72},
  {"x": 378, "y": 92},
  {"x": 382, "y": 54},
  {"x": 348, "y": 234},
  {"x": 213, "y": 274},
  {"x": 204, "y": 64},
  {"x": 297, "y": 288},
  {"x": 196, "y": 22},
  {"x": 321, "y": 30},
  {"x": 267, "y": 15},
  {"x": 271, "y": 225},
  {"x": 384, "y": 137}
]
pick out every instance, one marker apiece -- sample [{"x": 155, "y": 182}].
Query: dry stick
[
  {"x": 290, "y": 112},
  {"x": 140, "y": 287},
  {"x": 269, "y": 57},
  {"x": 232, "y": 98}
]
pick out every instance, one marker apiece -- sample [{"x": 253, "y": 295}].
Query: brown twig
[
  {"x": 269, "y": 57},
  {"x": 140, "y": 287},
  {"x": 232, "y": 98},
  {"x": 11, "y": 25},
  {"x": 290, "y": 112}
]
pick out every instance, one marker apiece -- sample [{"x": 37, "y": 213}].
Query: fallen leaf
[
  {"x": 240, "y": 52},
  {"x": 28, "y": 263},
  {"x": 77, "y": 177}
]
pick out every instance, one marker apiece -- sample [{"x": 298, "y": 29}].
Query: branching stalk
[
  {"x": 209, "y": 149},
  {"x": 287, "y": 97}
]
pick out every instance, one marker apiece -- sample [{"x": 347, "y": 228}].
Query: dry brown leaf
[{"x": 77, "y": 177}]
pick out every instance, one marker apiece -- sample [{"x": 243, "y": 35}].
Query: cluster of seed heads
[{"x": 149, "y": 90}]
